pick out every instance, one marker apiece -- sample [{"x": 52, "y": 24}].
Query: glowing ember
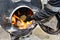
[{"x": 19, "y": 22}]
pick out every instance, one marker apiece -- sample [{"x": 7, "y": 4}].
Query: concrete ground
[{"x": 4, "y": 35}]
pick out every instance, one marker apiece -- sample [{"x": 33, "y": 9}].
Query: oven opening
[{"x": 21, "y": 18}]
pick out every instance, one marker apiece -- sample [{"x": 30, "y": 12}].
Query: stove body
[{"x": 7, "y": 10}]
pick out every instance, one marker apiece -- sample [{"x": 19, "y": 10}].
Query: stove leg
[{"x": 14, "y": 37}]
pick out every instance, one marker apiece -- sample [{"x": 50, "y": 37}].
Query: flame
[
  {"x": 20, "y": 22},
  {"x": 13, "y": 20}
]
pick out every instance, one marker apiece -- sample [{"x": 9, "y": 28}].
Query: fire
[
  {"x": 19, "y": 22},
  {"x": 13, "y": 20}
]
